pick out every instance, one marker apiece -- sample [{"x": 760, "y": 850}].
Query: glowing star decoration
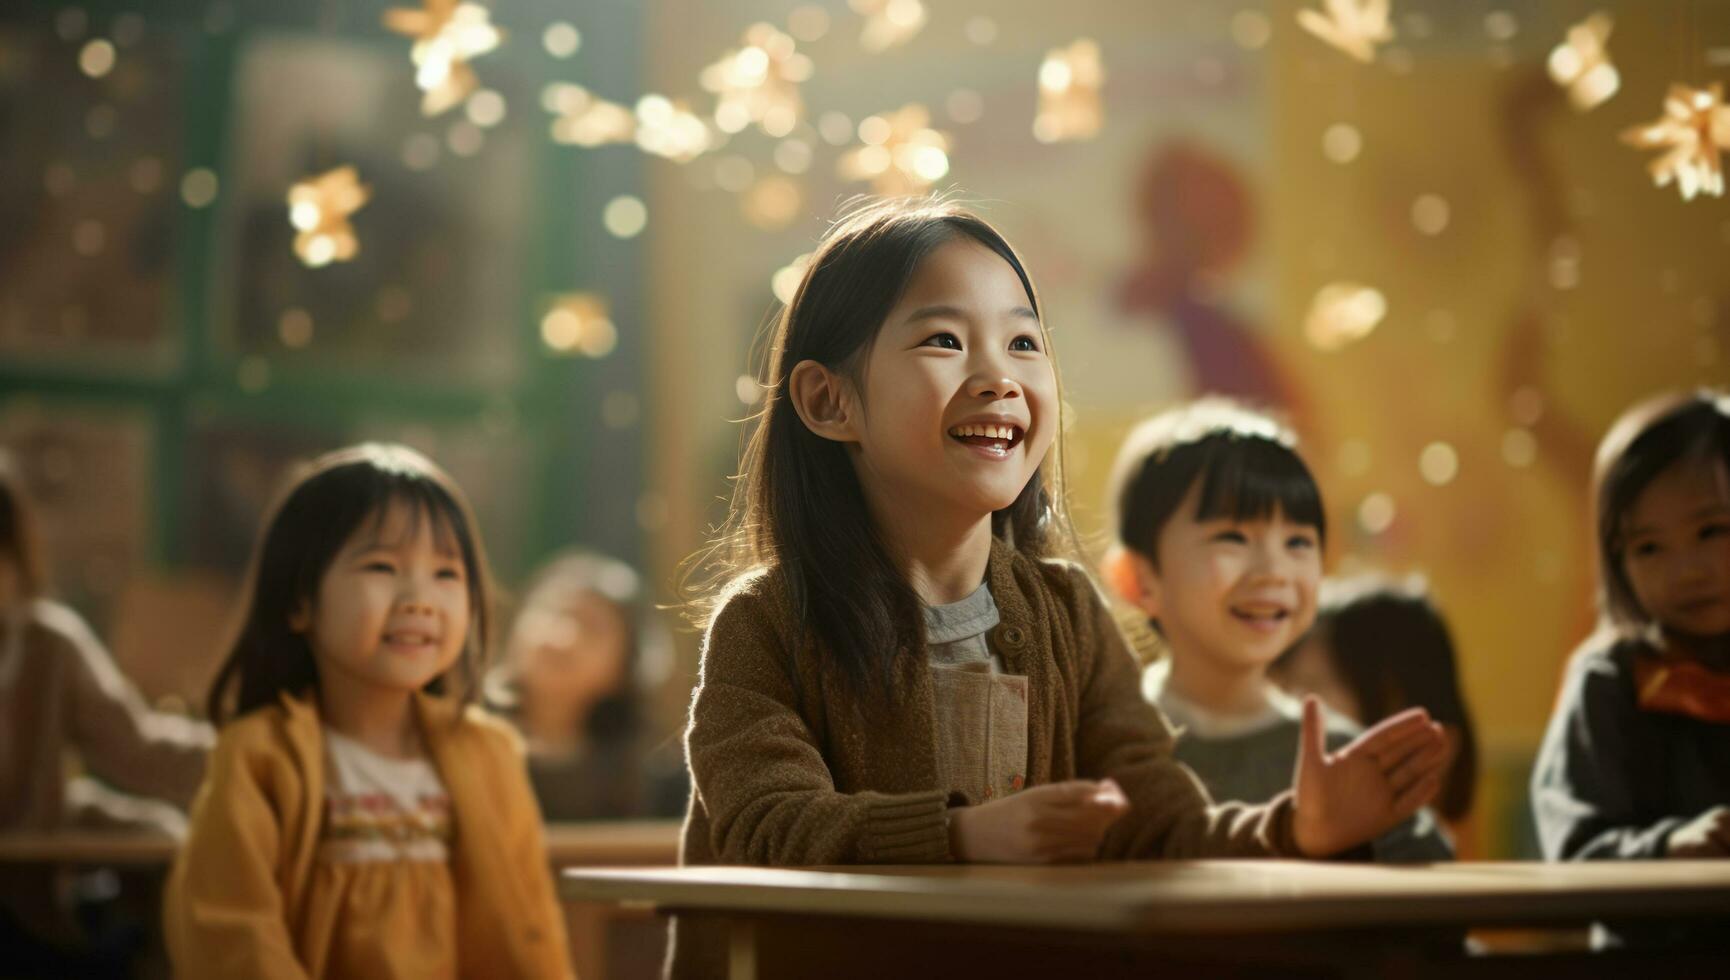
[
  {"x": 888, "y": 22},
  {"x": 579, "y": 323},
  {"x": 1341, "y": 313},
  {"x": 582, "y": 119},
  {"x": 318, "y": 208},
  {"x": 1069, "y": 103},
  {"x": 759, "y": 83},
  {"x": 1694, "y": 128},
  {"x": 1581, "y": 64},
  {"x": 1352, "y": 26},
  {"x": 670, "y": 129},
  {"x": 902, "y": 153},
  {"x": 447, "y": 35}
]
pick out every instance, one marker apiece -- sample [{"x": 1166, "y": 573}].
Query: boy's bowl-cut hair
[{"x": 1246, "y": 464}]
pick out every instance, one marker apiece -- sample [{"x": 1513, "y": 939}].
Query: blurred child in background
[
  {"x": 362, "y": 816},
  {"x": 60, "y": 691},
  {"x": 578, "y": 658},
  {"x": 1636, "y": 760},
  {"x": 61, "y": 696},
  {"x": 1379, "y": 647}
]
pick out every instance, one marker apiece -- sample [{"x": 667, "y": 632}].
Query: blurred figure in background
[
  {"x": 61, "y": 693},
  {"x": 579, "y": 655},
  {"x": 1635, "y": 763},
  {"x": 1378, "y": 648},
  {"x": 60, "y": 690}
]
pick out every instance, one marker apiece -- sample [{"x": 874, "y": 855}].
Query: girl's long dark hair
[
  {"x": 797, "y": 503},
  {"x": 1648, "y": 439},
  {"x": 1245, "y": 462},
  {"x": 325, "y": 503}
]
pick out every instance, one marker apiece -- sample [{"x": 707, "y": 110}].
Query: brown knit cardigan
[{"x": 789, "y": 770}]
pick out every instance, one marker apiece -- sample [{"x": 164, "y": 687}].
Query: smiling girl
[
  {"x": 360, "y": 818},
  {"x": 896, "y": 668}
]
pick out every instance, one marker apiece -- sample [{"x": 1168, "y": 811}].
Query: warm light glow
[
  {"x": 625, "y": 216},
  {"x": 584, "y": 120},
  {"x": 447, "y": 36},
  {"x": 1694, "y": 129},
  {"x": 1069, "y": 93},
  {"x": 1355, "y": 27},
  {"x": 1439, "y": 463},
  {"x": 1581, "y": 63},
  {"x": 906, "y": 157},
  {"x": 889, "y": 22},
  {"x": 319, "y": 208},
  {"x": 1341, "y": 313},
  {"x": 96, "y": 58},
  {"x": 759, "y": 83},
  {"x": 579, "y": 323}
]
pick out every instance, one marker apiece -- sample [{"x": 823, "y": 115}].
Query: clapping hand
[{"x": 1352, "y": 796}]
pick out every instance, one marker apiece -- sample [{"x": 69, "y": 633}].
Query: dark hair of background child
[{"x": 1648, "y": 439}]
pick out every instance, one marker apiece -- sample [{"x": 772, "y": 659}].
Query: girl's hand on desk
[
  {"x": 1705, "y": 836},
  {"x": 1041, "y": 825},
  {"x": 1368, "y": 787}
]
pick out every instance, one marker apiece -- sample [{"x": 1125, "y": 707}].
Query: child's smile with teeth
[
  {"x": 1229, "y": 591},
  {"x": 956, "y": 402},
  {"x": 410, "y": 639},
  {"x": 1259, "y": 614},
  {"x": 1262, "y": 616},
  {"x": 392, "y": 610},
  {"x": 994, "y": 438}
]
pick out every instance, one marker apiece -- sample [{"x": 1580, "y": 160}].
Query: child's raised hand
[
  {"x": 1368, "y": 787},
  {"x": 1705, "y": 836},
  {"x": 1041, "y": 825}
]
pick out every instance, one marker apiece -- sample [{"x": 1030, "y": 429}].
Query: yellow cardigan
[{"x": 238, "y": 893}]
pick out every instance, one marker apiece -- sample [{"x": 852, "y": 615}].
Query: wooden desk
[
  {"x": 1126, "y": 919},
  {"x": 87, "y": 847},
  {"x": 627, "y": 843},
  {"x": 601, "y": 934}
]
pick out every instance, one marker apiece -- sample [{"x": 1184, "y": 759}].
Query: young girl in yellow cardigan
[
  {"x": 896, "y": 669},
  {"x": 359, "y": 817}
]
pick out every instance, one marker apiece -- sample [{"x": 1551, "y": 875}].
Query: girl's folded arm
[{"x": 761, "y": 776}]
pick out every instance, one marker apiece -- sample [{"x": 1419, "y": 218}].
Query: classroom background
[{"x": 235, "y": 233}]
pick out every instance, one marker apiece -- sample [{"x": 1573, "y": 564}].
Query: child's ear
[
  {"x": 823, "y": 400},
  {"x": 1133, "y": 578}
]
